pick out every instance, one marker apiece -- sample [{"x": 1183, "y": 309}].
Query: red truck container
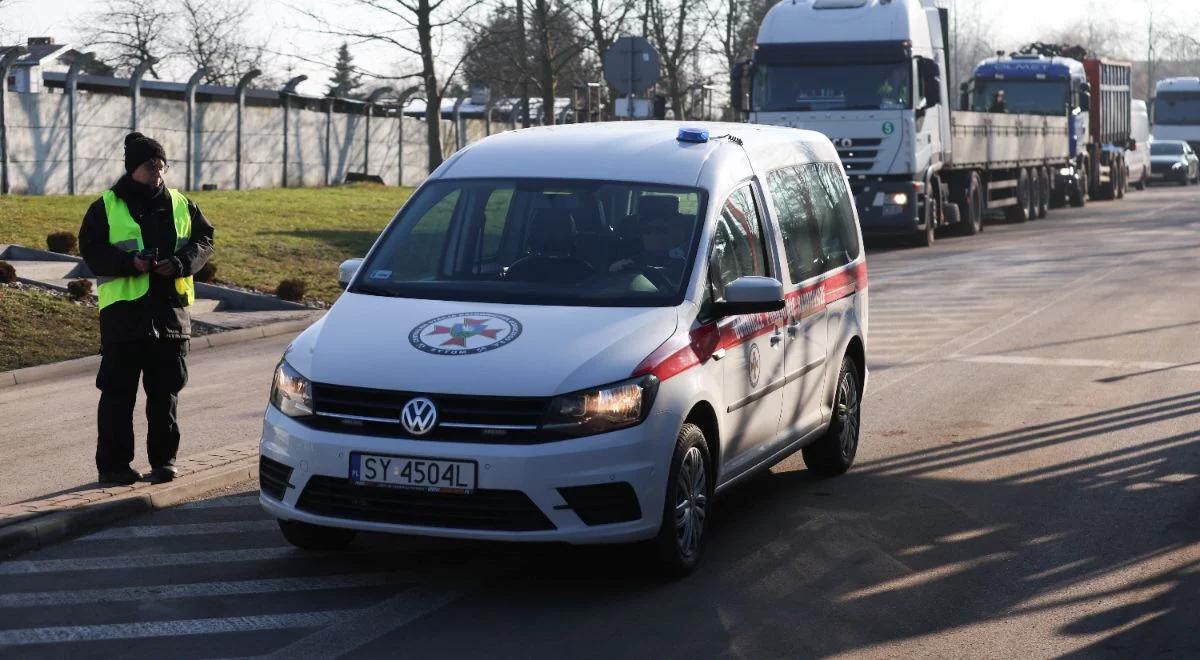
[{"x": 1110, "y": 119}]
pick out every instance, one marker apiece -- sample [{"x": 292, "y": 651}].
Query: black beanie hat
[{"x": 139, "y": 149}]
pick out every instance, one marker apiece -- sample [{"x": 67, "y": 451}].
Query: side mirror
[
  {"x": 347, "y": 270},
  {"x": 1132, "y": 144},
  {"x": 931, "y": 81},
  {"x": 750, "y": 294}
]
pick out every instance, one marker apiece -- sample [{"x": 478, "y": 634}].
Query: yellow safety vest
[{"x": 125, "y": 234}]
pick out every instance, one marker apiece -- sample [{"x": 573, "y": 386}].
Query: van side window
[
  {"x": 792, "y": 194},
  {"x": 834, "y": 215},
  {"x": 738, "y": 245}
]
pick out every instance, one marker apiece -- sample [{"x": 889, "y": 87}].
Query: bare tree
[
  {"x": 414, "y": 28},
  {"x": 213, "y": 33},
  {"x": 972, "y": 42},
  {"x": 737, "y": 23},
  {"x": 129, "y": 32},
  {"x": 605, "y": 20},
  {"x": 559, "y": 47},
  {"x": 676, "y": 31}
]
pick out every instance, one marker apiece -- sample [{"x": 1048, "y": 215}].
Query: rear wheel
[
  {"x": 1019, "y": 212},
  {"x": 834, "y": 452},
  {"x": 971, "y": 210},
  {"x": 680, "y": 541},
  {"x": 315, "y": 537}
]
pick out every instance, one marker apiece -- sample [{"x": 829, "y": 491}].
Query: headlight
[
  {"x": 897, "y": 199},
  {"x": 1066, "y": 171},
  {"x": 602, "y": 409},
  {"x": 1177, "y": 166},
  {"x": 291, "y": 393}
]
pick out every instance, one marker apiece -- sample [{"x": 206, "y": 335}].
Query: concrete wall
[{"x": 38, "y": 143}]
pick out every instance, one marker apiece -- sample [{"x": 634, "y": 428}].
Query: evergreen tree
[{"x": 344, "y": 80}]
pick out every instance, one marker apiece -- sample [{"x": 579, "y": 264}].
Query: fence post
[
  {"x": 189, "y": 98},
  {"x": 240, "y": 94},
  {"x": 6, "y": 62},
  {"x": 285, "y": 96},
  {"x": 329, "y": 100},
  {"x": 135, "y": 89},
  {"x": 72, "y": 94},
  {"x": 458, "y": 132}
]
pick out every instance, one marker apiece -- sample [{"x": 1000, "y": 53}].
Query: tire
[
  {"x": 928, "y": 236},
  {"x": 1019, "y": 212},
  {"x": 680, "y": 542},
  {"x": 1044, "y": 198},
  {"x": 1119, "y": 184},
  {"x": 1142, "y": 183},
  {"x": 1078, "y": 196},
  {"x": 834, "y": 452},
  {"x": 315, "y": 537},
  {"x": 971, "y": 211}
]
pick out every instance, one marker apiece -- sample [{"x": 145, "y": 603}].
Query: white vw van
[{"x": 580, "y": 334}]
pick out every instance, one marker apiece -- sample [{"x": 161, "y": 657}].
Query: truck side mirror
[
  {"x": 964, "y": 96},
  {"x": 1085, "y": 97},
  {"x": 931, "y": 82}
]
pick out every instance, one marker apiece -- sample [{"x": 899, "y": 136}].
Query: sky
[{"x": 296, "y": 42}]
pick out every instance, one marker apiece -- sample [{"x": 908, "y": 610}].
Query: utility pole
[{"x": 1150, "y": 51}]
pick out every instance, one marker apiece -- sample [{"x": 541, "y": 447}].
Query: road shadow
[{"x": 348, "y": 241}]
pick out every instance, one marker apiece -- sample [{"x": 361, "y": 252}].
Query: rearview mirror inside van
[{"x": 750, "y": 294}]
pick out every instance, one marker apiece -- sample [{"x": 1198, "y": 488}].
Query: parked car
[
  {"x": 582, "y": 334},
  {"x": 1173, "y": 160}
]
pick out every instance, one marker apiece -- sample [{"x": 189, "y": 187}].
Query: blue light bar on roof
[{"x": 692, "y": 135}]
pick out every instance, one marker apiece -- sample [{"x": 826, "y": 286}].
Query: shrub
[
  {"x": 79, "y": 289},
  {"x": 291, "y": 289},
  {"x": 8, "y": 274},
  {"x": 62, "y": 242},
  {"x": 207, "y": 273}
]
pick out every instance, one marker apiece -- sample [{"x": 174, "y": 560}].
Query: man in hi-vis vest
[{"x": 143, "y": 241}]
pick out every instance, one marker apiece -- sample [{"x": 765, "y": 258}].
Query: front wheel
[
  {"x": 315, "y": 537},
  {"x": 834, "y": 452},
  {"x": 680, "y": 541}
]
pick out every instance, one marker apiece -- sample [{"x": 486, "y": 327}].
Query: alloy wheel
[{"x": 691, "y": 502}]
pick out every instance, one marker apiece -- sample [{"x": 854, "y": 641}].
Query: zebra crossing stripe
[
  {"x": 190, "y": 529},
  {"x": 34, "y": 566},
  {"x": 202, "y": 589},
  {"x": 178, "y": 628}
]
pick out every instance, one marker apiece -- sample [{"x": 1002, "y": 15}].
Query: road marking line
[
  {"x": 189, "y": 529},
  {"x": 32, "y": 566},
  {"x": 201, "y": 589},
  {"x": 1075, "y": 362},
  {"x": 367, "y": 625},
  {"x": 228, "y": 501},
  {"x": 175, "y": 628}
]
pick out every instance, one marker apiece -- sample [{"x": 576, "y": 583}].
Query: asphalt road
[{"x": 1028, "y": 485}]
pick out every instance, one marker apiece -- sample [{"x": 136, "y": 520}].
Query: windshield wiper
[{"x": 375, "y": 290}]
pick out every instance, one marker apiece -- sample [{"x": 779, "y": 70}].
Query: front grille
[
  {"x": 273, "y": 477},
  {"x": 602, "y": 504},
  {"x": 498, "y": 510},
  {"x": 510, "y": 420},
  {"x": 859, "y": 154},
  {"x": 1161, "y": 168}
]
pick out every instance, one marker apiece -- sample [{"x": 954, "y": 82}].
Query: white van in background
[
  {"x": 580, "y": 333},
  {"x": 1137, "y": 157}
]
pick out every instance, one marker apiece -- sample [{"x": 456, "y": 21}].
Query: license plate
[{"x": 431, "y": 474}]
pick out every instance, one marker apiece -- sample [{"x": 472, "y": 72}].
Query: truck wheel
[
  {"x": 1044, "y": 205},
  {"x": 1019, "y": 212},
  {"x": 928, "y": 236},
  {"x": 1141, "y": 184},
  {"x": 1078, "y": 196},
  {"x": 834, "y": 452},
  {"x": 971, "y": 211},
  {"x": 686, "y": 509},
  {"x": 1119, "y": 184},
  {"x": 1035, "y": 193}
]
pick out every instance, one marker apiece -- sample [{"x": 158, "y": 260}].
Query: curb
[
  {"x": 92, "y": 362},
  {"x": 44, "y": 530}
]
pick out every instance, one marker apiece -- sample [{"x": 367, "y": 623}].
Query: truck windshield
[
  {"x": 1026, "y": 97},
  {"x": 539, "y": 241},
  {"x": 817, "y": 87},
  {"x": 1177, "y": 109}
]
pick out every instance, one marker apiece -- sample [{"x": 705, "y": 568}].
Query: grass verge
[
  {"x": 39, "y": 328},
  {"x": 262, "y": 236}
]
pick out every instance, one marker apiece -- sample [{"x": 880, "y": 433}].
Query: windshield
[
  {"x": 819, "y": 87},
  {"x": 1166, "y": 148},
  {"x": 540, "y": 241},
  {"x": 1027, "y": 97},
  {"x": 1177, "y": 109}
]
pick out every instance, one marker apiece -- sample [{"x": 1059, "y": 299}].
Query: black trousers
[{"x": 162, "y": 366}]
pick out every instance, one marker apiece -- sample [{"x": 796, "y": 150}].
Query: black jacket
[{"x": 161, "y": 313}]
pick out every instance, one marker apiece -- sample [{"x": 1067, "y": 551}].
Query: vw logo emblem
[{"x": 419, "y": 416}]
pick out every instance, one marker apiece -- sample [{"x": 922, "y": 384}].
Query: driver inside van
[{"x": 664, "y": 235}]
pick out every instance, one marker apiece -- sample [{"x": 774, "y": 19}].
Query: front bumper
[
  {"x": 880, "y": 219},
  {"x": 639, "y": 456}
]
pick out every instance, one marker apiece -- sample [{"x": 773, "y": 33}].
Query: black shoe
[
  {"x": 125, "y": 477},
  {"x": 161, "y": 475}
]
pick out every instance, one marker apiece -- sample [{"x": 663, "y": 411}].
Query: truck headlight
[
  {"x": 1066, "y": 171},
  {"x": 291, "y": 393},
  {"x": 897, "y": 199},
  {"x": 602, "y": 409},
  {"x": 1177, "y": 166}
]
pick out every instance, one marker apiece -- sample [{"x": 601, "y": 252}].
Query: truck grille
[
  {"x": 494, "y": 419},
  {"x": 858, "y": 154},
  {"x": 499, "y": 510}
]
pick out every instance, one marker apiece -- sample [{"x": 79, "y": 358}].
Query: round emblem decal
[
  {"x": 465, "y": 334},
  {"x": 888, "y": 128},
  {"x": 755, "y": 365}
]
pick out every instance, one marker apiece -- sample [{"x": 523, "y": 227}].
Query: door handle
[{"x": 793, "y": 329}]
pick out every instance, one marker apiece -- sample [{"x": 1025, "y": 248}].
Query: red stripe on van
[{"x": 684, "y": 351}]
